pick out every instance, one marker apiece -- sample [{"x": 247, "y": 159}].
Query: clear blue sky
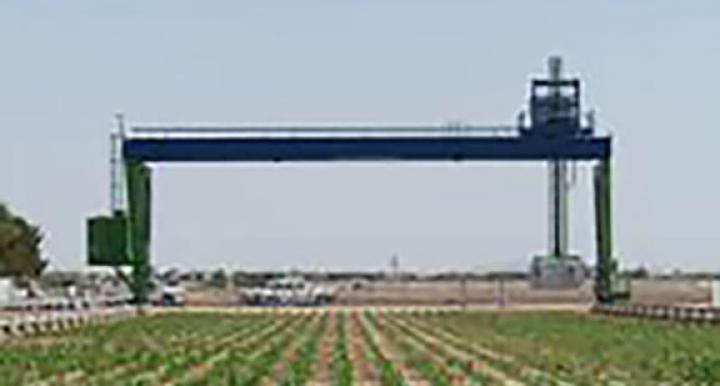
[{"x": 651, "y": 70}]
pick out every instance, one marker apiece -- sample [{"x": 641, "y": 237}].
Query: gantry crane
[{"x": 555, "y": 132}]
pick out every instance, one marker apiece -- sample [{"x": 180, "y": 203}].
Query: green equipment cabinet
[{"x": 107, "y": 240}]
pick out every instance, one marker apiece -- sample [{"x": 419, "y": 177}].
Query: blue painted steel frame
[{"x": 398, "y": 148}]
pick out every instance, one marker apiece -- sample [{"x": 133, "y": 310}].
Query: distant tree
[
  {"x": 242, "y": 279},
  {"x": 641, "y": 272},
  {"x": 20, "y": 246},
  {"x": 219, "y": 278}
]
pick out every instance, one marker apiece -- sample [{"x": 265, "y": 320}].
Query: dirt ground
[
  {"x": 481, "y": 293},
  {"x": 519, "y": 292}
]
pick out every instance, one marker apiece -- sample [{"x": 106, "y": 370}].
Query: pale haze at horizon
[{"x": 650, "y": 70}]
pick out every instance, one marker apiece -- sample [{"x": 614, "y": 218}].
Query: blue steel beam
[
  {"x": 386, "y": 148},
  {"x": 328, "y": 129}
]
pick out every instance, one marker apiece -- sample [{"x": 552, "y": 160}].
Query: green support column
[
  {"x": 607, "y": 285},
  {"x": 139, "y": 214}
]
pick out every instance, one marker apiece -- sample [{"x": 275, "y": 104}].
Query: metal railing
[
  {"x": 60, "y": 303},
  {"x": 661, "y": 312},
  {"x": 322, "y": 130},
  {"x": 20, "y": 324}
]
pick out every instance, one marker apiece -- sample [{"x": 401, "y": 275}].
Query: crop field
[{"x": 367, "y": 347}]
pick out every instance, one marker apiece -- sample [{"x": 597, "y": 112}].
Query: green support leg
[
  {"x": 607, "y": 285},
  {"x": 139, "y": 210}
]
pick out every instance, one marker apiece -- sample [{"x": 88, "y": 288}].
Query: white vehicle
[
  {"x": 288, "y": 291},
  {"x": 10, "y": 295},
  {"x": 168, "y": 295}
]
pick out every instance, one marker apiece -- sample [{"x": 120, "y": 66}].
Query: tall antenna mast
[
  {"x": 116, "y": 167},
  {"x": 558, "y": 173},
  {"x": 395, "y": 266}
]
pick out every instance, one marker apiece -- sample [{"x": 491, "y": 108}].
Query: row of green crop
[
  {"x": 299, "y": 370},
  {"x": 457, "y": 361},
  {"x": 250, "y": 361},
  {"x": 389, "y": 375},
  {"x": 231, "y": 347},
  {"x": 443, "y": 348},
  {"x": 150, "y": 350},
  {"x": 420, "y": 357},
  {"x": 419, "y": 323},
  {"x": 137, "y": 346},
  {"x": 591, "y": 349},
  {"x": 342, "y": 367},
  {"x": 199, "y": 357}
]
